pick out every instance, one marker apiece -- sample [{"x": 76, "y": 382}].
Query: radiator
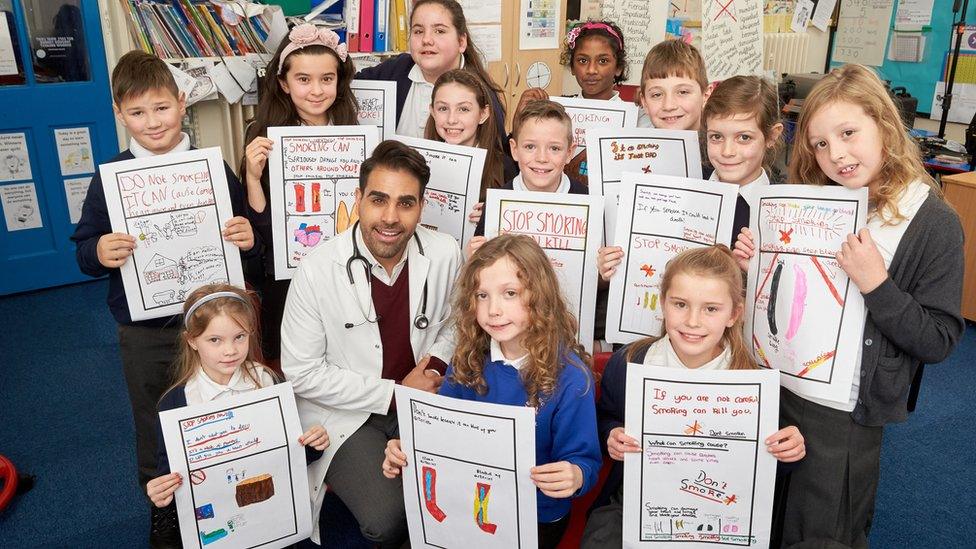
[{"x": 787, "y": 52}]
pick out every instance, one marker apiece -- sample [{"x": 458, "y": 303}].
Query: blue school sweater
[{"x": 565, "y": 423}]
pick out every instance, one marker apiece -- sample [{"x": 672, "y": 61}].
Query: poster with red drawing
[
  {"x": 804, "y": 317},
  {"x": 243, "y": 470},
  {"x": 466, "y": 483},
  {"x": 314, "y": 174},
  {"x": 703, "y": 477},
  {"x": 660, "y": 217}
]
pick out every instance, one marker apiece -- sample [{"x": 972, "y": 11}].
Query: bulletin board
[{"x": 920, "y": 78}]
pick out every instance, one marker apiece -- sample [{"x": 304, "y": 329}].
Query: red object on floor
[
  {"x": 581, "y": 505},
  {"x": 8, "y": 482}
]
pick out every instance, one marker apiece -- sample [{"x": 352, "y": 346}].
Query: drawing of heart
[{"x": 308, "y": 235}]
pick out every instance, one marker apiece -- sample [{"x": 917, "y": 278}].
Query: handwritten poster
[
  {"x": 660, "y": 217},
  {"x": 454, "y": 187},
  {"x": 568, "y": 228},
  {"x": 314, "y": 174},
  {"x": 459, "y": 452},
  {"x": 732, "y": 38},
  {"x": 20, "y": 207},
  {"x": 643, "y": 24},
  {"x": 704, "y": 477},
  {"x": 374, "y": 96},
  {"x": 862, "y": 31},
  {"x": 804, "y": 317},
  {"x": 641, "y": 150},
  {"x": 74, "y": 151},
  {"x": 591, "y": 114},
  {"x": 15, "y": 159},
  {"x": 176, "y": 206},
  {"x": 243, "y": 469}
]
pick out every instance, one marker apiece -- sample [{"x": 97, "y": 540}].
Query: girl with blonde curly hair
[{"x": 516, "y": 345}]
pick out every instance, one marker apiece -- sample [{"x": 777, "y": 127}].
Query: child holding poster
[
  {"x": 215, "y": 360},
  {"x": 461, "y": 114},
  {"x": 149, "y": 104},
  {"x": 701, "y": 292},
  {"x": 516, "y": 346},
  {"x": 907, "y": 263},
  {"x": 310, "y": 87}
]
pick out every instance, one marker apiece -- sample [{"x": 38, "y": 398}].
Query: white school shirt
[
  {"x": 200, "y": 388},
  {"x": 750, "y": 189},
  {"x": 886, "y": 238},
  {"x": 416, "y": 109},
  {"x": 496, "y": 354},
  {"x": 662, "y": 354},
  {"x": 518, "y": 185},
  {"x": 139, "y": 151},
  {"x": 614, "y": 97}
]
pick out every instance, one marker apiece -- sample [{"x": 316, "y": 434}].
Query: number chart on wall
[
  {"x": 804, "y": 316},
  {"x": 314, "y": 174}
]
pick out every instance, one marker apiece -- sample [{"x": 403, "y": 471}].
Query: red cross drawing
[{"x": 724, "y": 8}]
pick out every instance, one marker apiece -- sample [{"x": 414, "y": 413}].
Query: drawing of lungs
[
  {"x": 346, "y": 216},
  {"x": 430, "y": 494},
  {"x": 481, "y": 508}
]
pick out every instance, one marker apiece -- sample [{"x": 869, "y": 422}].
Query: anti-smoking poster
[
  {"x": 642, "y": 151},
  {"x": 176, "y": 206},
  {"x": 568, "y": 227},
  {"x": 314, "y": 174},
  {"x": 804, "y": 317},
  {"x": 454, "y": 187},
  {"x": 703, "y": 477},
  {"x": 660, "y": 217},
  {"x": 466, "y": 483},
  {"x": 377, "y": 105},
  {"x": 243, "y": 470},
  {"x": 592, "y": 114}
]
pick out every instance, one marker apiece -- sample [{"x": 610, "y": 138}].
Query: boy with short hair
[
  {"x": 542, "y": 145},
  {"x": 674, "y": 87},
  {"x": 149, "y": 104}
]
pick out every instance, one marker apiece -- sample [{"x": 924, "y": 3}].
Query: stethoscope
[{"x": 420, "y": 321}]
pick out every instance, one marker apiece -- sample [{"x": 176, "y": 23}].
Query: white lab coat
[{"x": 336, "y": 371}]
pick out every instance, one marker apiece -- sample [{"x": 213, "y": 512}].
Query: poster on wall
[
  {"x": 74, "y": 151},
  {"x": 660, "y": 217},
  {"x": 314, "y": 174},
  {"x": 804, "y": 316},
  {"x": 377, "y": 105},
  {"x": 454, "y": 187},
  {"x": 639, "y": 150},
  {"x": 459, "y": 452},
  {"x": 862, "y": 31},
  {"x": 643, "y": 24},
  {"x": 244, "y": 475},
  {"x": 568, "y": 227},
  {"x": 21, "y": 209},
  {"x": 175, "y": 205},
  {"x": 14, "y": 158},
  {"x": 732, "y": 38},
  {"x": 704, "y": 477}
]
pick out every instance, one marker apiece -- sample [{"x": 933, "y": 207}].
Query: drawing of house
[{"x": 160, "y": 268}]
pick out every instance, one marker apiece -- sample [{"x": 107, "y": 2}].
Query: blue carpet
[{"x": 64, "y": 416}]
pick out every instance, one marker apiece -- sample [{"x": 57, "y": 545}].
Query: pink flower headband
[
  {"x": 591, "y": 25},
  {"x": 308, "y": 34}
]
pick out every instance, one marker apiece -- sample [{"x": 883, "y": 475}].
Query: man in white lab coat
[{"x": 366, "y": 310}]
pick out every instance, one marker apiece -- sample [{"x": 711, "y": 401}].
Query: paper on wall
[
  {"x": 913, "y": 14},
  {"x": 963, "y": 102},
  {"x": 459, "y": 452},
  {"x": 659, "y": 217},
  {"x": 862, "y": 31},
  {"x": 804, "y": 316},
  {"x": 74, "y": 151},
  {"x": 20, "y": 207},
  {"x": 314, "y": 174},
  {"x": 801, "y": 15},
  {"x": 489, "y": 41},
  {"x": 14, "y": 158},
  {"x": 8, "y": 59},
  {"x": 703, "y": 478},
  {"x": 732, "y": 38},
  {"x": 642, "y": 24},
  {"x": 175, "y": 205},
  {"x": 538, "y": 24},
  {"x": 75, "y": 191},
  {"x": 822, "y": 14},
  {"x": 243, "y": 468},
  {"x": 568, "y": 227},
  {"x": 482, "y": 11}
]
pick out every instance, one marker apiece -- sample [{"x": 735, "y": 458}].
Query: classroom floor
[{"x": 64, "y": 416}]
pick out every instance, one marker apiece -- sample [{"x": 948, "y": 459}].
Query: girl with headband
[
  {"x": 215, "y": 361},
  {"x": 307, "y": 84}
]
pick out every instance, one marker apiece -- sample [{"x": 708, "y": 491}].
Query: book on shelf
[{"x": 173, "y": 29}]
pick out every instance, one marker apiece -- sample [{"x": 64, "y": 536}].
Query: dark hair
[
  {"x": 542, "y": 109},
  {"x": 396, "y": 156},
  {"x": 750, "y": 95},
  {"x": 472, "y": 61},
  {"x": 276, "y": 108},
  {"x": 617, "y": 45},
  {"x": 493, "y": 176},
  {"x": 138, "y": 72}
]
